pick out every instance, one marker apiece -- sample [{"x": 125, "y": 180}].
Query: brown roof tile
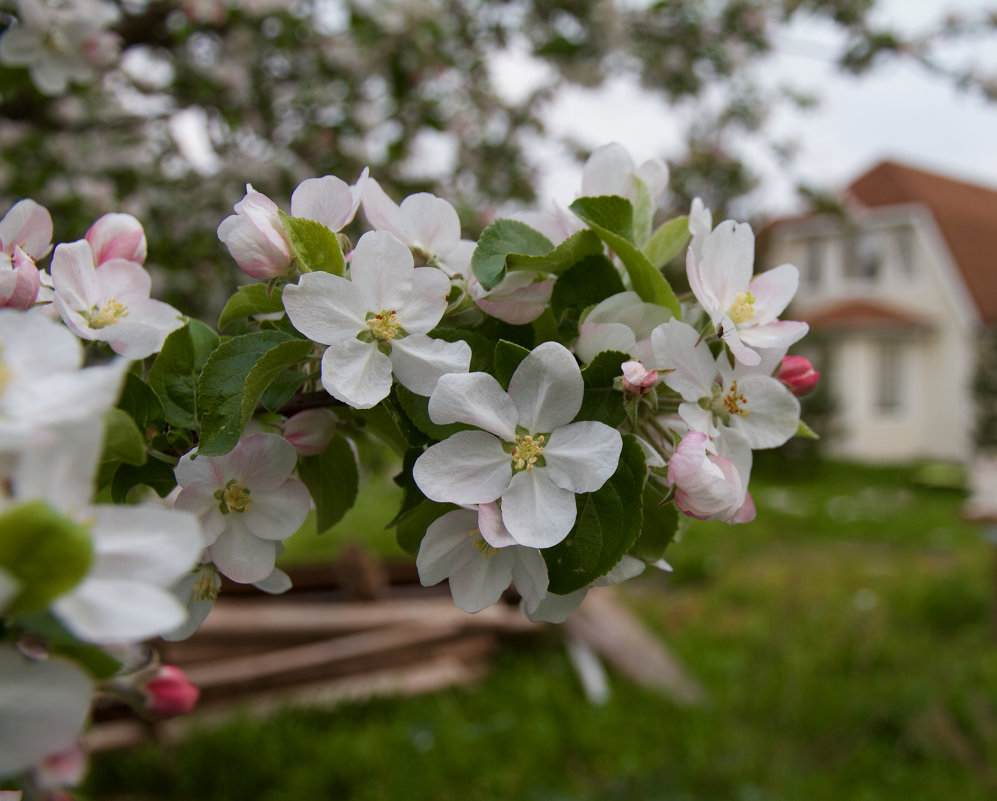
[
  {"x": 965, "y": 213},
  {"x": 864, "y": 315}
]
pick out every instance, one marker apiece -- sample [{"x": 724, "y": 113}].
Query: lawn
[{"x": 844, "y": 638}]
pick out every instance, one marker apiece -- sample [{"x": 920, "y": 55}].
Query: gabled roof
[
  {"x": 965, "y": 213},
  {"x": 865, "y": 316}
]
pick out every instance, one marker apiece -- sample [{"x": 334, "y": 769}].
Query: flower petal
[
  {"x": 381, "y": 268},
  {"x": 476, "y": 399},
  {"x": 582, "y": 456},
  {"x": 277, "y": 514},
  {"x": 327, "y": 200},
  {"x": 547, "y": 388},
  {"x": 241, "y": 556},
  {"x": 325, "y": 308},
  {"x": 536, "y": 511},
  {"x": 356, "y": 373},
  {"x": 468, "y": 467},
  {"x": 481, "y": 582},
  {"x": 426, "y": 303},
  {"x": 418, "y": 361}
]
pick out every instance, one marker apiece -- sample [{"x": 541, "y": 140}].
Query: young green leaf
[
  {"x": 668, "y": 241},
  {"x": 249, "y": 300},
  {"x": 500, "y": 239},
  {"x": 332, "y": 480},
  {"x": 174, "y": 373},
  {"x": 316, "y": 247}
]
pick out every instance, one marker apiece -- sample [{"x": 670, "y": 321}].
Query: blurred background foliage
[{"x": 210, "y": 94}]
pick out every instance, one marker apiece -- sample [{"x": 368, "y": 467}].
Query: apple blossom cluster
[{"x": 556, "y": 409}]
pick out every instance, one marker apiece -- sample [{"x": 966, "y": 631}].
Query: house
[{"x": 896, "y": 292}]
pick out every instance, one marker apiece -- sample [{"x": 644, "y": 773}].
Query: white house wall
[{"x": 935, "y": 420}]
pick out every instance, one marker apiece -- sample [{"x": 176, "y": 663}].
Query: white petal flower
[
  {"x": 530, "y": 456},
  {"x": 744, "y": 310},
  {"x": 43, "y": 705},
  {"x": 246, "y": 501},
  {"x": 479, "y": 573},
  {"x": 43, "y": 382},
  {"x": 110, "y": 304},
  {"x": 621, "y": 322},
  {"x": 376, "y": 323}
]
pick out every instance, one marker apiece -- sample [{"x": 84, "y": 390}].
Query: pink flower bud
[
  {"x": 310, "y": 431},
  {"x": 797, "y": 373},
  {"x": 64, "y": 769},
  {"x": 19, "y": 280},
  {"x": 117, "y": 236},
  {"x": 170, "y": 693},
  {"x": 637, "y": 379},
  {"x": 255, "y": 237}
]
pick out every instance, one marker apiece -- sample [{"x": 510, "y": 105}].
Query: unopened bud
[
  {"x": 310, "y": 431},
  {"x": 797, "y": 373},
  {"x": 637, "y": 379},
  {"x": 170, "y": 693}
]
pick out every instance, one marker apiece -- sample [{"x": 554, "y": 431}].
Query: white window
[{"x": 813, "y": 262}]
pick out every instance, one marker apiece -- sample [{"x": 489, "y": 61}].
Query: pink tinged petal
[
  {"x": 773, "y": 412},
  {"x": 381, "y": 268},
  {"x": 518, "y": 300},
  {"x": 255, "y": 237},
  {"x": 476, "y": 399},
  {"x": 62, "y": 470},
  {"x": 118, "y": 610},
  {"x": 447, "y": 546},
  {"x": 493, "y": 530},
  {"x": 21, "y": 289},
  {"x": 654, "y": 174},
  {"x": 581, "y": 456},
  {"x": 27, "y": 225},
  {"x": 536, "y": 511},
  {"x": 117, "y": 236},
  {"x": 481, "y": 582},
  {"x": 199, "y": 499},
  {"x": 207, "y": 471},
  {"x": 276, "y": 515},
  {"x": 418, "y": 362},
  {"x": 731, "y": 337},
  {"x": 262, "y": 462},
  {"x": 310, "y": 431},
  {"x": 325, "y": 307},
  {"x": 547, "y": 388},
  {"x": 607, "y": 171},
  {"x": 383, "y": 213},
  {"x": 36, "y": 346},
  {"x": 356, "y": 373},
  {"x": 773, "y": 290},
  {"x": 693, "y": 366},
  {"x": 747, "y": 511},
  {"x": 241, "y": 556},
  {"x": 593, "y": 338},
  {"x": 726, "y": 264},
  {"x": 529, "y": 574},
  {"x": 777, "y": 335},
  {"x": 74, "y": 276},
  {"x": 422, "y": 309},
  {"x": 43, "y": 706},
  {"x": 468, "y": 467},
  {"x": 327, "y": 200},
  {"x": 433, "y": 222}
]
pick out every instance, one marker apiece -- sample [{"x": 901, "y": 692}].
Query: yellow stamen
[
  {"x": 108, "y": 314},
  {"x": 384, "y": 326},
  {"x": 234, "y": 498},
  {"x": 733, "y": 401},
  {"x": 526, "y": 452},
  {"x": 208, "y": 584},
  {"x": 483, "y": 547},
  {"x": 743, "y": 308}
]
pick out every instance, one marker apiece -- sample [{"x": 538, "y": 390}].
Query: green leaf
[
  {"x": 123, "y": 442},
  {"x": 805, "y": 431},
  {"x": 249, "y": 300},
  {"x": 332, "y": 480},
  {"x": 282, "y": 389},
  {"x": 611, "y": 218},
  {"x": 140, "y": 401},
  {"x": 175, "y": 371},
  {"x": 316, "y": 247},
  {"x": 411, "y": 527},
  {"x": 392, "y": 425},
  {"x": 668, "y": 241},
  {"x": 591, "y": 280},
  {"x": 234, "y": 378},
  {"x": 659, "y": 526},
  {"x": 643, "y": 213},
  {"x": 608, "y": 524},
  {"x": 571, "y": 251},
  {"x": 507, "y": 358},
  {"x": 95, "y": 661},
  {"x": 153, "y": 473},
  {"x": 602, "y": 401},
  {"x": 500, "y": 239},
  {"x": 47, "y": 553}
]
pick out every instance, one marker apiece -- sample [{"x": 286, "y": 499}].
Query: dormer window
[
  {"x": 813, "y": 262},
  {"x": 864, "y": 259}
]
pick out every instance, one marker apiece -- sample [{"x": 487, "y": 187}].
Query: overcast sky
[{"x": 900, "y": 112}]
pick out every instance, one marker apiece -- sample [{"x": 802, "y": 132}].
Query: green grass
[{"x": 843, "y": 637}]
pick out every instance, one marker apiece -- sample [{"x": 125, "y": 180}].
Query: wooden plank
[{"x": 623, "y": 641}]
